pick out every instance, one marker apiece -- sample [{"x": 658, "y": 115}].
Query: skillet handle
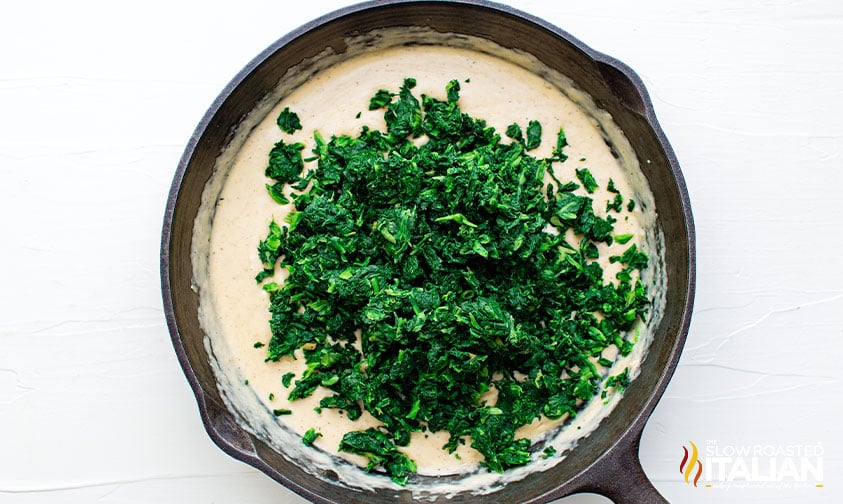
[
  {"x": 620, "y": 477},
  {"x": 625, "y": 84}
]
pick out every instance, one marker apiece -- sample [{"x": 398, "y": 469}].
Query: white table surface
[{"x": 99, "y": 98}]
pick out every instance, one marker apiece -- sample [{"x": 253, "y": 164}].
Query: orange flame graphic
[{"x": 686, "y": 467}]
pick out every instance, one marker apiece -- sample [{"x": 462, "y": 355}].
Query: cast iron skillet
[{"x": 607, "y": 461}]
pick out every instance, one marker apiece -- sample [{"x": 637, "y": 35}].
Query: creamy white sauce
[{"x": 236, "y": 211}]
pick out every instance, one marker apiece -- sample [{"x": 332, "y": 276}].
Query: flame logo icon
[{"x": 689, "y": 462}]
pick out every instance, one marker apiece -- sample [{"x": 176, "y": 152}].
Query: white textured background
[{"x": 98, "y": 99}]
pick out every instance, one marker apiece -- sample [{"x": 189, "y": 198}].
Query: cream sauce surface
[{"x": 234, "y": 310}]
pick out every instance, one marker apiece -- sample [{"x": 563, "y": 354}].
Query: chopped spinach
[
  {"x": 534, "y": 135},
  {"x": 288, "y": 121},
  {"x": 623, "y": 238},
  {"x": 381, "y": 451},
  {"x": 561, "y": 143},
  {"x": 448, "y": 256},
  {"x": 587, "y": 179},
  {"x": 285, "y": 162},
  {"x": 310, "y": 436},
  {"x": 619, "y": 382},
  {"x": 514, "y": 132},
  {"x": 287, "y": 379}
]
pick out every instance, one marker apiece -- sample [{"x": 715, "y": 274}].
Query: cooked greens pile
[{"x": 444, "y": 249}]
